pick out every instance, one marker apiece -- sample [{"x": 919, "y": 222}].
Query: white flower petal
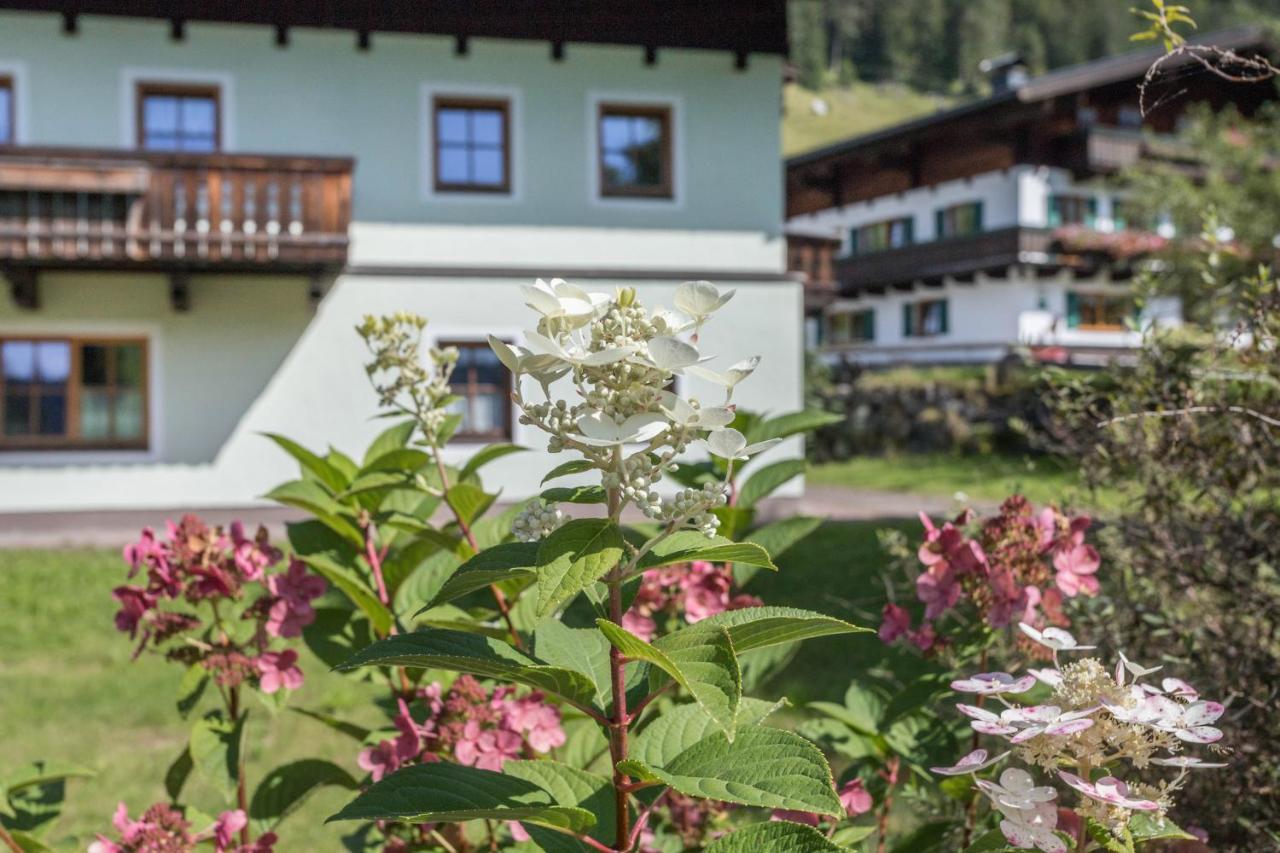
[
  {"x": 672, "y": 354},
  {"x": 726, "y": 443}
]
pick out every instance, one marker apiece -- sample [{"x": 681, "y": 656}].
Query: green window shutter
[
  {"x": 944, "y": 322},
  {"x": 906, "y": 320},
  {"x": 911, "y": 230},
  {"x": 869, "y": 325},
  {"x": 1055, "y": 212},
  {"x": 1091, "y": 213},
  {"x": 939, "y": 221},
  {"x": 1073, "y": 310},
  {"x": 977, "y": 217},
  {"x": 853, "y": 241}
]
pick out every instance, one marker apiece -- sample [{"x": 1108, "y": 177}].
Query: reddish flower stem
[
  {"x": 971, "y": 811},
  {"x": 618, "y": 677},
  {"x": 9, "y": 842},
  {"x": 242, "y": 798}
]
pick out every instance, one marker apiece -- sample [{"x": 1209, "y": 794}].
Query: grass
[
  {"x": 69, "y": 693},
  {"x": 851, "y": 111},
  {"x": 986, "y": 478}
]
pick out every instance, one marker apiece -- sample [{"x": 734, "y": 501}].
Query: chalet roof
[
  {"x": 1063, "y": 81},
  {"x": 739, "y": 26}
]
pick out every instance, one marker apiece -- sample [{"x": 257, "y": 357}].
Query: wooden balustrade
[{"x": 64, "y": 208}]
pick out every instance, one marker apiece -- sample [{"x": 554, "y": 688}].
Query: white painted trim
[
  {"x": 17, "y": 71},
  {"x": 155, "y": 401},
  {"x": 130, "y": 77},
  {"x": 428, "y": 91},
  {"x": 659, "y": 205}
]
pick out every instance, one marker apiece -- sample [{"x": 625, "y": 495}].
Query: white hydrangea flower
[{"x": 537, "y": 521}]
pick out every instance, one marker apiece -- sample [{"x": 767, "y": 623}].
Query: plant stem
[
  {"x": 971, "y": 811},
  {"x": 242, "y": 799},
  {"x": 618, "y": 679},
  {"x": 8, "y": 841}
]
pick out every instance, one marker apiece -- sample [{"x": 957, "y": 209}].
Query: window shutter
[
  {"x": 944, "y": 324},
  {"x": 869, "y": 325},
  {"x": 1073, "y": 310},
  {"x": 910, "y": 223},
  {"x": 1091, "y": 214},
  {"x": 1055, "y": 211},
  {"x": 977, "y": 217},
  {"x": 853, "y": 241},
  {"x": 939, "y": 219},
  {"x": 906, "y": 320}
]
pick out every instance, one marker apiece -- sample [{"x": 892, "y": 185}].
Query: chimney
[{"x": 1007, "y": 72}]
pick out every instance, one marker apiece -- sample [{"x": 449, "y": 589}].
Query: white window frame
[
  {"x": 223, "y": 80},
  {"x": 514, "y": 97},
  {"x": 675, "y": 104}
]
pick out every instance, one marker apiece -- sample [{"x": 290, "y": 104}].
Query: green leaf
[
  {"x": 573, "y": 557},
  {"x": 564, "y": 469},
  {"x": 354, "y": 588},
  {"x": 175, "y": 777},
  {"x": 29, "y": 843},
  {"x": 374, "y": 481},
  {"x": 459, "y": 651},
  {"x": 585, "y": 650},
  {"x": 776, "y": 836},
  {"x": 1145, "y": 826},
  {"x": 764, "y": 767},
  {"x": 41, "y": 773},
  {"x": 468, "y": 501},
  {"x": 680, "y": 727},
  {"x": 337, "y": 633},
  {"x": 322, "y": 470},
  {"x": 569, "y": 786},
  {"x": 790, "y": 424},
  {"x": 734, "y": 520},
  {"x": 485, "y": 455},
  {"x": 689, "y": 545},
  {"x": 700, "y": 660},
  {"x": 426, "y": 581},
  {"x": 757, "y": 627},
  {"x": 447, "y": 792},
  {"x": 764, "y": 482},
  {"x": 392, "y": 438},
  {"x": 402, "y": 562},
  {"x": 403, "y": 460},
  {"x": 215, "y": 748},
  {"x": 287, "y": 786},
  {"x": 848, "y": 836},
  {"x": 501, "y": 562},
  {"x": 309, "y": 496},
  {"x": 991, "y": 841},
  {"x": 191, "y": 688},
  {"x": 776, "y": 539},
  {"x": 925, "y": 838},
  {"x": 575, "y": 494},
  {"x": 351, "y": 730}
]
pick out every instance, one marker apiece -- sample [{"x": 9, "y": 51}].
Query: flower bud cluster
[
  {"x": 537, "y": 520},
  {"x": 401, "y": 378},
  {"x": 695, "y": 505}
]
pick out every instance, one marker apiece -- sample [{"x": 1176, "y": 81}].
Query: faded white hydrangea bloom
[
  {"x": 625, "y": 421},
  {"x": 537, "y": 520}
]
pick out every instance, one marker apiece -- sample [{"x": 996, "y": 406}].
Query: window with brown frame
[
  {"x": 8, "y": 110},
  {"x": 179, "y": 117},
  {"x": 73, "y": 393},
  {"x": 635, "y": 151},
  {"x": 483, "y": 386},
  {"x": 1093, "y": 311},
  {"x": 472, "y": 144}
]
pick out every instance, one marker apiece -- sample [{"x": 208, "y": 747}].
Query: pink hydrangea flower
[
  {"x": 806, "y": 818},
  {"x": 971, "y": 763},
  {"x": 855, "y": 798},
  {"x": 539, "y": 721},
  {"x": 706, "y": 591},
  {"x": 938, "y": 592},
  {"x": 924, "y": 638},
  {"x": 134, "y": 604},
  {"x": 292, "y": 610},
  {"x": 252, "y": 556},
  {"x": 1109, "y": 790},
  {"x": 1076, "y": 566},
  {"x": 224, "y": 830},
  {"x": 278, "y": 669},
  {"x": 487, "y": 749},
  {"x": 894, "y": 623},
  {"x": 640, "y": 624}
]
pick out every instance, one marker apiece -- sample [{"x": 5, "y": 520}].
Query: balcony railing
[{"x": 67, "y": 208}]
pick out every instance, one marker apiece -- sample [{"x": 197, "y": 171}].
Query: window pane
[
  {"x": 17, "y": 413},
  {"x": 95, "y": 414},
  {"x": 488, "y": 370},
  {"x": 52, "y": 414},
  {"x": 19, "y": 361},
  {"x": 484, "y": 414},
  {"x": 199, "y": 115},
  {"x": 6, "y": 109},
  {"x": 487, "y": 167},
  {"x": 53, "y": 361},
  {"x": 453, "y": 166},
  {"x": 129, "y": 367},
  {"x": 451, "y": 125},
  {"x": 93, "y": 365},
  {"x": 619, "y": 170},
  {"x": 645, "y": 129},
  {"x": 160, "y": 114},
  {"x": 648, "y": 164},
  {"x": 615, "y": 133},
  {"x": 128, "y": 415},
  {"x": 486, "y": 127}
]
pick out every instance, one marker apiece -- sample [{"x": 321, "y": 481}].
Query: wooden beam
[
  {"x": 178, "y": 29},
  {"x": 180, "y": 291},
  {"x": 557, "y": 51},
  {"x": 739, "y": 60},
  {"x": 282, "y": 35},
  {"x": 70, "y": 24},
  {"x": 24, "y": 286},
  {"x": 461, "y": 45},
  {"x": 650, "y": 55},
  {"x": 363, "y": 40}
]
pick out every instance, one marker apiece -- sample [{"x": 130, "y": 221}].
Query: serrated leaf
[
  {"x": 569, "y": 786},
  {"x": 447, "y": 792},
  {"x": 29, "y": 843},
  {"x": 319, "y": 468},
  {"x": 573, "y": 557},
  {"x": 776, "y": 539},
  {"x": 426, "y": 581},
  {"x": 757, "y": 627},
  {"x": 468, "y": 501},
  {"x": 42, "y": 773},
  {"x": 776, "y": 836},
  {"x": 459, "y": 651},
  {"x": 501, "y": 562},
  {"x": 191, "y": 688},
  {"x": 848, "y": 836},
  {"x": 488, "y": 454},
  {"x": 564, "y": 469},
  {"x": 392, "y": 438},
  {"x": 925, "y": 838},
  {"x": 337, "y": 633},
  {"x": 401, "y": 562},
  {"x": 764, "y": 767},
  {"x": 701, "y": 660},
  {"x": 373, "y": 481},
  {"x": 287, "y": 786},
  {"x": 215, "y": 747},
  {"x": 790, "y": 424},
  {"x": 175, "y": 777},
  {"x": 1145, "y": 826},
  {"x": 310, "y": 496},
  {"x": 690, "y": 545},
  {"x": 765, "y": 481},
  {"x": 682, "y": 726},
  {"x": 354, "y": 588},
  {"x": 575, "y": 495},
  {"x": 584, "y": 650}
]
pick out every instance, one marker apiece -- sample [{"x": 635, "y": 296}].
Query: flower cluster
[
  {"x": 692, "y": 591},
  {"x": 400, "y": 377},
  {"x": 1095, "y": 721},
  {"x": 1017, "y": 565},
  {"x": 164, "y": 828},
  {"x": 229, "y": 576},
  {"x": 627, "y": 423},
  {"x": 470, "y": 725}
]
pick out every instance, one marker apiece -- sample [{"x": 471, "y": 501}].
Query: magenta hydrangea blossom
[{"x": 277, "y": 670}]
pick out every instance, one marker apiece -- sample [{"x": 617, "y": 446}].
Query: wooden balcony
[
  {"x": 957, "y": 257},
  {"x": 811, "y": 257},
  {"x": 176, "y": 213}
]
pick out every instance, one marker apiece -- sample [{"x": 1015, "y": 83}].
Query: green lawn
[
  {"x": 851, "y": 111},
  {"x": 989, "y": 477}
]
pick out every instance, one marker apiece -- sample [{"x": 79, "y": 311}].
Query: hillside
[{"x": 850, "y": 111}]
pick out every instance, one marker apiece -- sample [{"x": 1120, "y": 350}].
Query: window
[
  {"x": 73, "y": 393},
  {"x": 1073, "y": 210},
  {"x": 178, "y": 117},
  {"x": 1127, "y": 214},
  {"x": 472, "y": 145},
  {"x": 8, "y": 111},
  {"x": 878, "y": 236},
  {"x": 851, "y": 327},
  {"x": 484, "y": 388},
  {"x": 924, "y": 319},
  {"x": 635, "y": 151},
  {"x": 959, "y": 220},
  {"x": 1098, "y": 311}
]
